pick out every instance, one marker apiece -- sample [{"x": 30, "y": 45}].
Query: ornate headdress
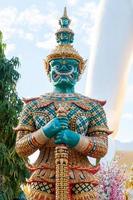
[{"x": 64, "y": 37}]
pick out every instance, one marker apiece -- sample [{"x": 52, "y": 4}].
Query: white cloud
[
  {"x": 7, "y": 21},
  {"x": 25, "y": 35},
  {"x": 87, "y": 16},
  {"x": 72, "y": 2},
  {"x": 29, "y": 36},
  {"x": 88, "y": 9},
  {"x": 24, "y": 23},
  {"x": 49, "y": 42},
  {"x": 8, "y": 16},
  {"x": 32, "y": 22},
  {"x": 35, "y": 19},
  {"x": 10, "y": 48},
  {"x": 32, "y": 17}
]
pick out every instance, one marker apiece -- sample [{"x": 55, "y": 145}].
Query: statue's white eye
[{"x": 57, "y": 67}]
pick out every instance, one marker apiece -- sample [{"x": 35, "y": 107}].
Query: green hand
[
  {"x": 67, "y": 137},
  {"x": 54, "y": 126}
]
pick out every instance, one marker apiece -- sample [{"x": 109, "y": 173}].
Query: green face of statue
[{"x": 64, "y": 72}]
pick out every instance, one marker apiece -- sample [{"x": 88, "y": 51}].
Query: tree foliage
[{"x": 12, "y": 168}]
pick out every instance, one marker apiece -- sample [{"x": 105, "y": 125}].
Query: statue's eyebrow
[
  {"x": 55, "y": 62},
  {"x": 73, "y": 61}
]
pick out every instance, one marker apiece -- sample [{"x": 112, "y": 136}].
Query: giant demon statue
[{"x": 66, "y": 127}]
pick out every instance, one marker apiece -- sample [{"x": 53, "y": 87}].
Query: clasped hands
[{"x": 58, "y": 129}]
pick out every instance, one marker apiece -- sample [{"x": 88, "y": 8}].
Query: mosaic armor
[{"x": 87, "y": 118}]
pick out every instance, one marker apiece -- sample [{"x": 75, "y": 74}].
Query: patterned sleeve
[
  {"x": 95, "y": 144},
  {"x": 28, "y": 138},
  {"x": 26, "y": 119}
]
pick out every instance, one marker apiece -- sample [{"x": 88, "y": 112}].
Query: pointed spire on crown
[
  {"x": 64, "y": 20},
  {"x": 65, "y": 12},
  {"x": 64, "y": 35}
]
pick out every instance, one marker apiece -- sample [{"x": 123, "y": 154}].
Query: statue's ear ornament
[{"x": 64, "y": 49}]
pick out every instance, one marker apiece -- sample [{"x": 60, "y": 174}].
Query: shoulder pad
[
  {"x": 28, "y": 100},
  {"x": 101, "y": 102},
  {"x": 37, "y": 102},
  {"x": 87, "y": 100}
]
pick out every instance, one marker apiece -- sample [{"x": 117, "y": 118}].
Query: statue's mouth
[
  {"x": 57, "y": 76},
  {"x": 64, "y": 73}
]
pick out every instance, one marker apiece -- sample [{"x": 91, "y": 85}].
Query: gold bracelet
[{"x": 39, "y": 137}]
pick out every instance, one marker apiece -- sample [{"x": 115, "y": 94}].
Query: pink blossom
[{"x": 112, "y": 181}]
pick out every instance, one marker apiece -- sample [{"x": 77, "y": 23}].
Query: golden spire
[{"x": 65, "y": 12}]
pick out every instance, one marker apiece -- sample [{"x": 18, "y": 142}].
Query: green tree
[{"x": 12, "y": 168}]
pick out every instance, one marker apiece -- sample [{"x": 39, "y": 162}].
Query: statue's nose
[{"x": 64, "y": 68}]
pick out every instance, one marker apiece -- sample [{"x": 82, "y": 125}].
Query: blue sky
[{"x": 29, "y": 27}]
